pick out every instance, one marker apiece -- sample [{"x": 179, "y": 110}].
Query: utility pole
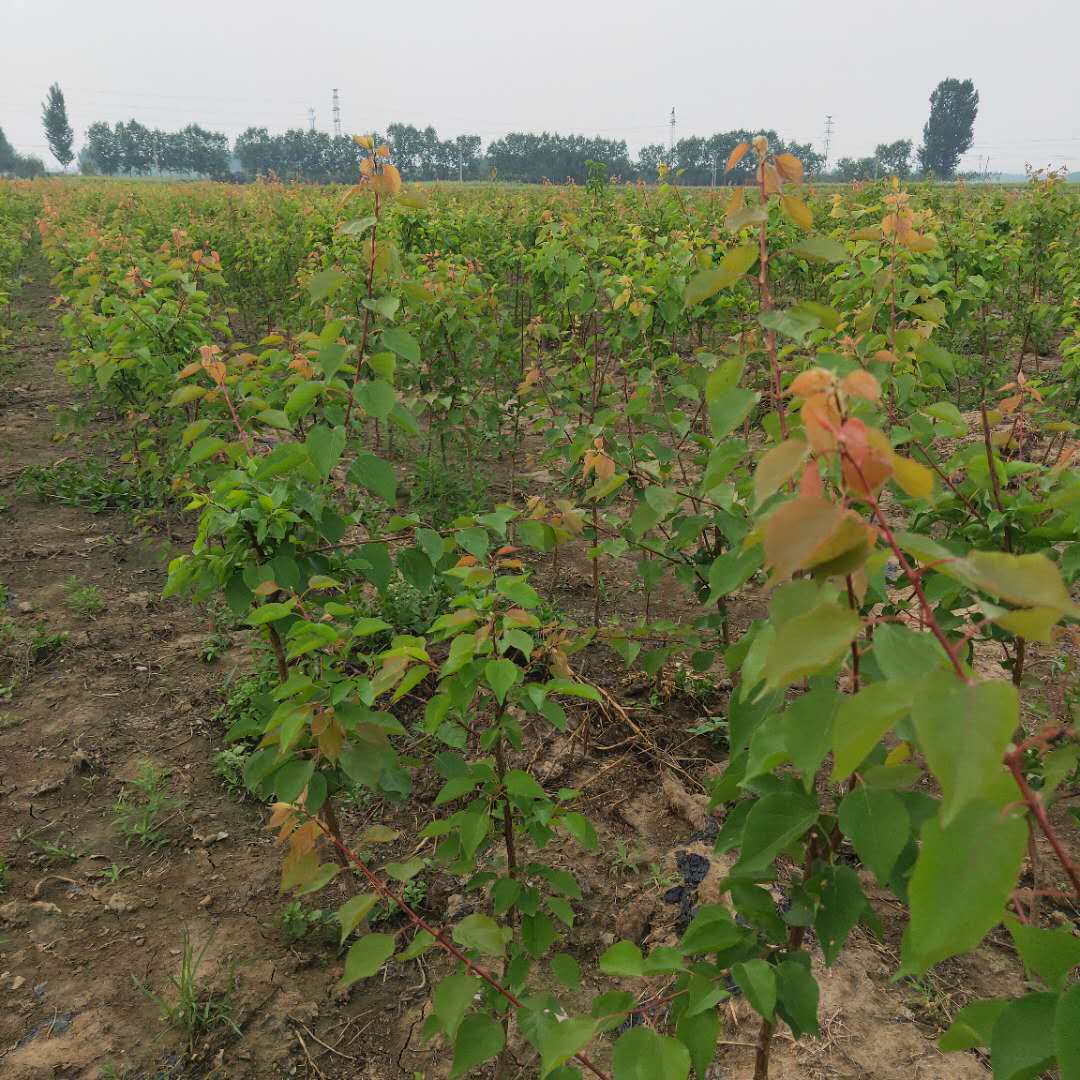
[
  {"x": 460, "y": 165},
  {"x": 828, "y": 139},
  {"x": 311, "y": 118},
  {"x": 337, "y": 114},
  {"x": 713, "y": 182},
  {"x": 671, "y": 138}
]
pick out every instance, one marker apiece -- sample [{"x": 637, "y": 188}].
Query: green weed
[
  {"x": 143, "y": 807},
  {"x": 84, "y": 600},
  {"x": 194, "y": 1011}
]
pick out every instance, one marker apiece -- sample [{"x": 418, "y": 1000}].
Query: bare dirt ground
[{"x": 90, "y": 926}]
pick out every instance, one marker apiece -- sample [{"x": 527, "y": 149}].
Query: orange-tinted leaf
[
  {"x": 795, "y": 530},
  {"x": 867, "y": 458},
  {"x": 812, "y": 381},
  {"x": 736, "y": 156},
  {"x": 789, "y": 167},
  {"x": 821, "y": 419},
  {"x": 773, "y": 183},
  {"x": 862, "y": 384}
]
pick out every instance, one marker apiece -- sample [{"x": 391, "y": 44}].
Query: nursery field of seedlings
[{"x": 484, "y": 630}]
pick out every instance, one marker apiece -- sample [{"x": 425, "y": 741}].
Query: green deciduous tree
[
  {"x": 894, "y": 158},
  {"x": 58, "y": 131},
  {"x": 948, "y": 132}
]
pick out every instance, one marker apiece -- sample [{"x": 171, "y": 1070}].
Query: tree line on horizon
[{"x": 132, "y": 149}]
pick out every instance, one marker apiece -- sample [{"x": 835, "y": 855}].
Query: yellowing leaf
[
  {"x": 916, "y": 480},
  {"x": 1035, "y": 623},
  {"x": 777, "y": 466},
  {"x": 798, "y": 211},
  {"x": 789, "y": 167}
]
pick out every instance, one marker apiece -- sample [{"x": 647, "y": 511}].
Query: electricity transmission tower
[
  {"x": 311, "y": 118},
  {"x": 828, "y": 140},
  {"x": 671, "y": 137},
  {"x": 337, "y": 114}
]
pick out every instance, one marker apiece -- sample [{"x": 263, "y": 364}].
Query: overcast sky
[{"x": 589, "y": 66}]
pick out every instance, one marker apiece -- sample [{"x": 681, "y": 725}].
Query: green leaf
[
  {"x": 821, "y": 248},
  {"x": 386, "y": 306},
  {"x": 521, "y": 785},
  {"x": 325, "y": 283},
  {"x": 376, "y": 397},
  {"x": 478, "y": 1039},
  {"x": 354, "y": 911},
  {"x": 809, "y": 643},
  {"x": 757, "y": 980},
  {"x": 797, "y": 997},
  {"x": 559, "y": 1040},
  {"x": 325, "y": 447},
  {"x": 712, "y": 930},
  {"x": 291, "y": 779},
  {"x": 1067, "y": 1033},
  {"x": 366, "y": 957},
  {"x": 537, "y": 934},
  {"x": 331, "y": 357},
  {"x": 963, "y": 731},
  {"x": 962, "y": 880},
  {"x": 581, "y": 829},
  {"x": 266, "y": 613},
  {"x": 375, "y": 474},
  {"x": 204, "y": 448},
  {"x": 973, "y": 1024},
  {"x": 698, "y": 1033},
  {"x": 726, "y": 413},
  {"x": 863, "y": 718},
  {"x": 570, "y": 688},
  {"x": 773, "y": 822},
  {"x": 641, "y": 1054},
  {"x": 405, "y": 871},
  {"x": 1022, "y": 1042},
  {"x": 300, "y": 401},
  {"x": 1050, "y": 954},
  {"x": 878, "y": 824},
  {"x": 482, "y": 933},
  {"x": 500, "y": 675},
  {"x": 566, "y": 969},
  {"x": 842, "y": 905},
  {"x": 401, "y": 342},
  {"x": 518, "y": 590},
  {"x": 794, "y": 323},
  {"x": 806, "y": 725},
  {"x": 357, "y": 227},
  {"x": 622, "y": 958},
  {"x": 728, "y": 271},
  {"x": 452, "y": 999},
  {"x": 1028, "y": 580},
  {"x": 731, "y": 571},
  {"x": 903, "y": 653}
]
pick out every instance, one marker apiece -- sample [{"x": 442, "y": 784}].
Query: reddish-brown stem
[
  {"x": 367, "y": 317},
  {"x": 766, "y": 305},
  {"x": 968, "y": 505},
  {"x": 422, "y": 924},
  {"x": 913, "y": 575},
  {"x": 1014, "y": 760}
]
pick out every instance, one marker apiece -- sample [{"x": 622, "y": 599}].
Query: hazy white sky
[{"x": 590, "y": 66}]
